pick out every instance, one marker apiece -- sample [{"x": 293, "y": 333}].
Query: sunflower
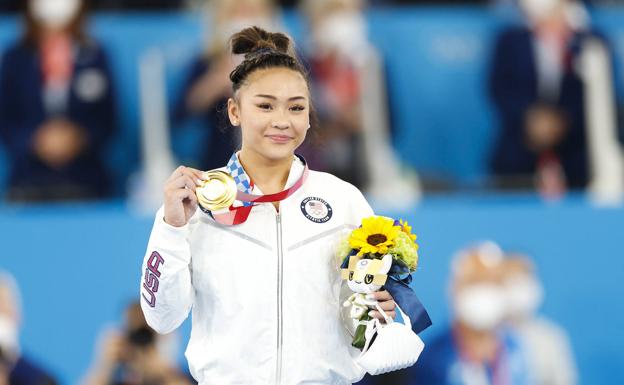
[
  {"x": 376, "y": 235},
  {"x": 407, "y": 229}
]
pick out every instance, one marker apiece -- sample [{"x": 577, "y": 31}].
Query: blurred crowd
[
  {"x": 132, "y": 354},
  {"x": 495, "y": 335},
  {"x": 551, "y": 84}
]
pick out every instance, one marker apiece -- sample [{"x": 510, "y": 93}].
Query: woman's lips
[{"x": 280, "y": 138}]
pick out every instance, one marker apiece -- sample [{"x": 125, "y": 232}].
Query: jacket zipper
[{"x": 280, "y": 279}]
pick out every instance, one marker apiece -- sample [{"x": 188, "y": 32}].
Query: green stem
[{"x": 359, "y": 340}]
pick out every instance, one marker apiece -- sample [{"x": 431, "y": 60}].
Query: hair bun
[{"x": 252, "y": 39}]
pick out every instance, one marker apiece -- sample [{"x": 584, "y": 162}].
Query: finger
[
  {"x": 192, "y": 198},
  {"x": 381, "y": 295},
  {"x": 182, "y": 182},
  {"x": 182, "y": 194},
  {"x": 193, "y": 174},
  {"x": 387, "y": 305},
  {"x": 379, "y": 316},
  {"x": 198, "y": 174},
  {"x": 176, "y": 173}
]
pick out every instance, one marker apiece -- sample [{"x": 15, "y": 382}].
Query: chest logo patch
[{"x": 316, "y": 209}]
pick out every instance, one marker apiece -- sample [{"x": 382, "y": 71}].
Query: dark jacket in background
[
  {"x": 22, "y": 112},
  {"x": 221, "y": 138},
  {"x": 513, "y": 88}
]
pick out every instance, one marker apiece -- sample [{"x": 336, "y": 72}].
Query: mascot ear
[
  {"x": 353, "y": 260},
  {"x": 387, "y": 263}
]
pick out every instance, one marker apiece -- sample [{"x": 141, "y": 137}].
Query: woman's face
[{"x": 272, "y": 108}]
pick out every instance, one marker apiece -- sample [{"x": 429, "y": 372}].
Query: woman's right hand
[{"x": 180, "y": 198}]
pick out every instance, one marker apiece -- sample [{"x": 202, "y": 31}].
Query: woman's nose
[
  {"x": 280, "y": 124},
  {"x": 280, "y": 121}
]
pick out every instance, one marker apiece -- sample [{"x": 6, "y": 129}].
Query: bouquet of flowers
[{"x": 379, "y": 248}]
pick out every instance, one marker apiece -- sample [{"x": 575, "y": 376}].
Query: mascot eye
[
  {"x": 350, "y": 276},
  {"x": 368, "y": 279}
]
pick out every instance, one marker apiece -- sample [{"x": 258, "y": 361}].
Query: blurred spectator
[
  {"x": 138, "y": 4},
  {"x": 348, "y": 81},
  {"x": 338, "y": 45},
  {"x": 208, "y": 85},
  {"x": 15, "y": 367},
  {"x": 475, "y": 349},
  {"x": 136, "y": 356},
  {"x": 538, "y": 90},
  {"x": 56, "y": 106},
  {"x": 546, "y": 346}
]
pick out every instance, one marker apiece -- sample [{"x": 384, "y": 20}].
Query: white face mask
[
  {"x": 55, "y": 13},
  {"x": 524, "y": 296},
  {"x": 538, "y": 9},
  {"x": 480, "y": 306},
  {"x": 343, "y": 32},
  {"x": 9, "y": 336}
]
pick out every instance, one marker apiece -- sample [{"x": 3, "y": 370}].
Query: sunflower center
[{"x": 376, "y": 239}]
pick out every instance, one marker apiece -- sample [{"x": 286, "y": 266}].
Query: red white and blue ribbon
[{"x": 237, "y": 214}]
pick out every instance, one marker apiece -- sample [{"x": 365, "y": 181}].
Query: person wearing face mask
[
  {"x": 337, "y": 45},
  {"x": 56, "y": 106},
  {"x": 135, "y": 356},
  {"x": 207, "y": 86},
  {"x": 537, "y": 87},
  {"x": 16, "y": 368},
  {"x": 476, "y": 349},
  {"x": 546, "y": 345}
]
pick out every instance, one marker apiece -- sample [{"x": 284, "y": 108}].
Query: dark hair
[
  {"x": 76, "y": 28},
  {"x": 262, "y": 50}
]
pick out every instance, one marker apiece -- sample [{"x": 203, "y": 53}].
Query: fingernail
[
  {"x": 371, "y": 313},
  {"x": 370, "y": 296},
  {"x": 198, "y": 182}
]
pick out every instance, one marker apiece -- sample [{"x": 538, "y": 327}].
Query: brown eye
[
  {"x": 350, "y": 276},
  {"x": 297, "y": 108},
  {"x": 368, "y": 279},
  {"x": 264, "y": 106}
]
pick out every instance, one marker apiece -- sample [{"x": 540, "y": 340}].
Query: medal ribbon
[{"x": 238, "y": 215}]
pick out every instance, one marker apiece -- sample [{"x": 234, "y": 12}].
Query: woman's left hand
[{"x": 386, "y": 302}]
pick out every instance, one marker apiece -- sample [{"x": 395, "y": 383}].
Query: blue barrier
[{"x": 78, "y": 266}]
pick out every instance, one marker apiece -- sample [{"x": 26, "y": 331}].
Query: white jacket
[{"x": 265, "y": 293}]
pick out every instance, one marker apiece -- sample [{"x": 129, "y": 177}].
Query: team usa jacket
[{"x": 265, "y": 295}]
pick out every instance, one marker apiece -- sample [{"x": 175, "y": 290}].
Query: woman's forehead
[{"x": 282, "y": 83}]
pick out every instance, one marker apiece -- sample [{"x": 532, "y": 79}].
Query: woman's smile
[{"x": 279, "y": 138}]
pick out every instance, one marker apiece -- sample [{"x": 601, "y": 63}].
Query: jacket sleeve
[{"x": 166, "y": 287}]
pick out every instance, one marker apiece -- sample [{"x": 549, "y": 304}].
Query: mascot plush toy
[{"x": 364, "y": 276}]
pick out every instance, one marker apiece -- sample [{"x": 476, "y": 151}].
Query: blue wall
[
  {"x": 78, "y": 266},
  {"x": 437, "y": 60}
]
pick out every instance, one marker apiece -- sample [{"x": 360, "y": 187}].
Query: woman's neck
[{"x": 268, "y": 174}]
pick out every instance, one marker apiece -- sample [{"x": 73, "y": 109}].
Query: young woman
[{"x": 265, "y": 287}]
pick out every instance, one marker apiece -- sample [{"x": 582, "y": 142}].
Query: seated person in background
[
  {"x": 56, "y": 106},
  {"x": 546, "y": 346},
  {"x": 136, "y": 356},
  {"x": 476, "y": 348},
  {"x": 15, "y": 367},
  {"x": 539, "y": 96},
  {"x": 208, "y": 84}
]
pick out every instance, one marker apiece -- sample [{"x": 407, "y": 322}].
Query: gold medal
[{"x": 217, "y": 192}]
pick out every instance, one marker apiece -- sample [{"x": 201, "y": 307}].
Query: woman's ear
[{"x": 233, "y": 112}]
